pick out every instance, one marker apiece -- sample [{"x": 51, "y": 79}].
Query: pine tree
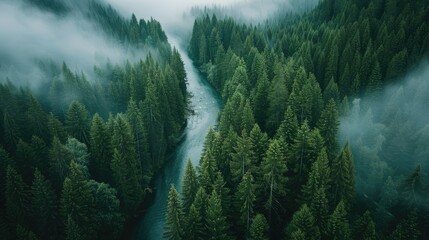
[
  {"x": 79, "y": 151},
  {"x": 140, "y": 137},
  {"x": 174, "y": 228},
  {"x": 43, "y": 206},
  {"x": 328, "y": 125},
  {"x": 207, "y": 171},
  {"x": 364, "y": 228},
  {"x": 219, "y": 185},
  {"x": 303, "y": 221},
  {"x": 288, "y": 129},
  {"x": 374, "y": 84},
  {"x": 331, "y": 92},
  {"x": 246, "y": 197},
  {"x": 274, "y": 169},
  {"x": 37, "y": 119},
  {"x": 101, "y": 151},
  {"x": 319, "y": 207},
  {"x": 124, "y": 165},
  {"x": 260, "y": 101},
  {"x": 217, "y": 226},
  {"x": 17, "y": 197},
  {"x": 343, "y": 177},
  {"x": 190, "y": 186},
  {"x": 241, "y": 158},
  {"x": 319, "y": 177},
  {"x": 193, "y": 228},
  {"x": 73, "y": 231},
  {"x": 77, "y": 122},
  {"x": 407, "y": 229},
  {"x": 59, "y": 159},
  {"x": 247, "y": 120},
  {"x": 258, "y": 228},
  {"x": 201, "y": 205},
  {"x": 76, "y": 198},
  {"x": 338, "y": 225}
]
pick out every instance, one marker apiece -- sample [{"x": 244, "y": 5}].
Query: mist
[
  {"x": 389, "y": 137},
  {"x": 29, "y": 35},
  {"x": 177, "y": 17}
]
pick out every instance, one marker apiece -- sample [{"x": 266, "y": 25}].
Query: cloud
[
  {"x": 174, "y": 16},
  {"x": 28, "y": 34},
  {"x": 389, "y": 133}
]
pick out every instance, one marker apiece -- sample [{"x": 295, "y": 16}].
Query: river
[{"x": 206, "y": 104}]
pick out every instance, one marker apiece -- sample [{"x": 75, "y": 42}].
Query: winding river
[{"x": 206, "y": 105}]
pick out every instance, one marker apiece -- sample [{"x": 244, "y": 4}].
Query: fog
[
  {"x": 176, "y": 17},
  {"x": 389, "y": 137},
  {"x": 28, "y": 34}
]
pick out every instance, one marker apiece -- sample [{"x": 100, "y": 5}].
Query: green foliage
[
  {"x": 125, "y": 166},
  {"x": 303, "y": 224},
  {"x": 274, "y": 168},
  {"x": 43, "y": 205},
  {"x": 338, "y": 225},
  {"x": 245, "y": 197},
  {"x": 174, "y": 228},
  {"x": 217, "y": 226},
  {"x": 258, "y": 228},
  {"x": 77, "y": 121},
  {"x": 342, "y": 172},
  {"x": 364, "y": 227},
  {"x": 190, "y": 186}
]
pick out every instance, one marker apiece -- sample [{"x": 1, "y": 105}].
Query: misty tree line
[
  {"x": 272, "y": 168},
  {"x": 78, "y": 152}
]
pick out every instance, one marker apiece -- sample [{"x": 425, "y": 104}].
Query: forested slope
[
  {"x": 273, "y": 167},
  {"x": 78, "y": 151}
]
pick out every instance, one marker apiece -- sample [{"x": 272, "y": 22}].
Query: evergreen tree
[
  {"x": 101, "y": 151},
  {"x": 364, "y": 227},
  {"x": 43, "y": 206},
  {"x": 17, "y": 198},
  {"x": 193, "y": 228},
  {"x": 288, "y": 129},
  {"x": 174, "y": 228},
  {"x": 217, "y": 226},
  {"x": 407, "y": 228},
  {"x": 125, "y": 165},
  {"x": 140, "y": 137},
  {"x": 73, "y": 231},
  {"x": 246, "y": 197},
  {"x": 223, "y": 192},
  {"x": 304, "y": 222},
  {"x": 77, "y": 121},
  {"x": 201, "y": 205},
  {"x": 190, "y": 186},
  {"x": 328, "y": 125},
  {"x": 343, "y": 177},
  {"x": 59, "y": 160},
  {"x": 338, "y": 225},
  {"x": 241, "y": 158},
  {"x": 75, "y": 200},
  {"x": 258, "y": 228},
  {"x": 274, "y": 169}
]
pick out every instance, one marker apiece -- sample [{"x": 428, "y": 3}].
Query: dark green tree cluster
[
  {"x": 75, "y": 160},
  {"x": 285, "y": 84},
  {"x": 130, "y": 33}
]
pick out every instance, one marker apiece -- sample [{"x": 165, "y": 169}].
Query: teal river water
[{"x": 206, "y": 105}]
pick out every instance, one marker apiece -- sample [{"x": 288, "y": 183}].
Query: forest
[
  {"x": 78, "y": 150},
  {"x": 323, "y": 133},
  {"x": 276, "y": 166}
]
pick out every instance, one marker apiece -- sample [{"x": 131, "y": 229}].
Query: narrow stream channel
[{"x": 206, "y": 104}]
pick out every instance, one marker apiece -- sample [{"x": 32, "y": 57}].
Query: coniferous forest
[{"x": 323, "y": 133}]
